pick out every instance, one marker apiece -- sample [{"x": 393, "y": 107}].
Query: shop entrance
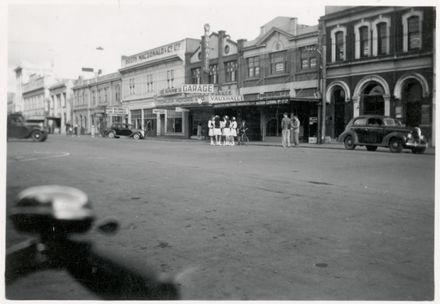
[
  {"x": 339, "y": 102},
  {"x": 162, "y": 124},
  {"x": 412, "y": 103}
]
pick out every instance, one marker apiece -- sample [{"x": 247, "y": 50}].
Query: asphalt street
[{"x": 245, "y": 222}]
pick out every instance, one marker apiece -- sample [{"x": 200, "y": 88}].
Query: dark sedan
[{"x": 382, "y": 131}]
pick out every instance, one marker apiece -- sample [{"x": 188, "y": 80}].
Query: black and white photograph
[{"x": 219, "y": 150}]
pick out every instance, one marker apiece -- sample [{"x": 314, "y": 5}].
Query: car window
[
  {"x": 360, "y": 122},
  {"x": 391, "y": 122},
  {"x": 375, "y": 122}
]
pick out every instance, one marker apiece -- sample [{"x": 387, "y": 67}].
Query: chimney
[
  {"x": 262, "y": 30},
  {"x": 293, "y": 25}
]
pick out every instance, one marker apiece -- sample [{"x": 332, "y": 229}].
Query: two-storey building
[
  {"x": 97, "y": 103},
  {"x": 214, "y": 62},
  {"x": 36, "y": 98},
  {"x": 151, "y": 88},
  {"x": 379, "y": 61},
  {"x": 279, "y": 73},
  {"x": 60, "y": 105}
]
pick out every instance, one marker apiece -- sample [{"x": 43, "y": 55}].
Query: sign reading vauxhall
[{"x": 157, "y": 53}]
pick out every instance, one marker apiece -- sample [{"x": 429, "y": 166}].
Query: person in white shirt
[
  {"x": 233, "y": 131},
  {"x": 211, "y": 129}
]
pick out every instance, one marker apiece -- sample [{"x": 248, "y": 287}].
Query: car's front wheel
[
  {"x": 111, "y": 135},
  {"x": 37, "y": 136},
  {"x": 136, "y": 136},
  {"x": 371, "y": 148},
  {"x": 396, "y": 145},
  {"x": 349, "y": 143}
]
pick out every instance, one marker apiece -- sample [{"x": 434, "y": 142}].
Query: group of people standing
[
  {"x": 223, "y": 132},
  {"x": 290, "y": 126}
]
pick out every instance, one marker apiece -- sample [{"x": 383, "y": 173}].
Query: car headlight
[{"x": 409, "y": 136}]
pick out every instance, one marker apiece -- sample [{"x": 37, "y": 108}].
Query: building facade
[
  {"x": 379, "y": 61},
  {"x": 36, "y": 98},
  {"x": 213, "y": 66},
  {"x": 11, "y": 102},
  {"x": 278, "y": 73},
  {"x": 23, "y": 72},
  {"x": 97, "y": 103},
  {"x": 59, "y": 114},
  {"x": 151, "y": 88}
]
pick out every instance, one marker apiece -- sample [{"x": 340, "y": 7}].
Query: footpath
[{"x": 332, "y": 145}]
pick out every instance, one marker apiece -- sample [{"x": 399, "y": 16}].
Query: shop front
[{"x": 263, "y": 115}]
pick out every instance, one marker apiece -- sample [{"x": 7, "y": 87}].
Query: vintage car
[
  {"x": 19, "y": 128},
  {"x": 374, "y": 131},
  {"x": 121, "y": 129}
]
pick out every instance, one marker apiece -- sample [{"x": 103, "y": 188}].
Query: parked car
[
  {"x": 374, "y": 131},
  {"x": 19, "y": 128},
  {"x": 121, "y": 129}
]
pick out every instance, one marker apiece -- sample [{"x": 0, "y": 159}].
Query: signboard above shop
[
  {"x": 175, "y": 48},
  {"x": 198, "y": 88},
  {"x": 115, "y": 111}
]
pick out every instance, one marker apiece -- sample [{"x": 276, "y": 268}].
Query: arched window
[
  {"x": 339, "y": 42},
  {"x": 412, "y": 30},
  {"x": 364, "y": 41},
  {"x": 414, "y": 33},
  {"x": 382, "y": 38}
]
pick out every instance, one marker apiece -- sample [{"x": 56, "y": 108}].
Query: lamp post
[{"x": 321, "y": 70}]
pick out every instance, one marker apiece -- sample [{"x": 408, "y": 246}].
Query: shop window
[
  {"x": 136, "y": 118},
  {"x": 253, "y": 65},
  {"x": 231, "y": 71},
  {"x": 174, "y": 122},
  {"x": 278, "y": 63}
]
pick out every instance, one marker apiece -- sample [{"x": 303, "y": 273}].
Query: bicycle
[
  {"x": 243, "y": 139},
  {"x": 56, "y": 215}
]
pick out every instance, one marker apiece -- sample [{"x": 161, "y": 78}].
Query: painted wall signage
[
  {"x": 212, "y": 99},
  {"x": 115, "y": 111},
  {"x": 198, "y": 88},
  {"x": 170, "y": 91},
  {"x": 160, "y": 52}
]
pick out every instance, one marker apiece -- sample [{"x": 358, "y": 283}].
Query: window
[
  {"x": 231, "y": 71},
  {"x": 339, "y": 43},
  {"x": 195, "y": 76},
  {"x": 308, "y": 59},
  {"x": 99, "y": 96},
  {"x": 412, "y": 30},
  {"x": 278, "y": 63},
  {"x": 93, "y": 98},
  {"x": 117, "y": 94},
  {"x": 170, "y": 78},
  {"x": 105, "y": 95},
  {"x": 131, "y": 86},
  {"x": 253, "y": 64},
  {"x": 213, "y": 74},
  {"x": 360, "y": 122},
  {"x": 149, "y": 83},
  {"x": 364, "y": 41},
  {"x": 382, "y": 38},
  {"x": 414, "y": 34},
  {"x": 174, "y": 121}
]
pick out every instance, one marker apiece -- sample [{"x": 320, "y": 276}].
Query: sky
[{"x": 69, "y": 34}]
